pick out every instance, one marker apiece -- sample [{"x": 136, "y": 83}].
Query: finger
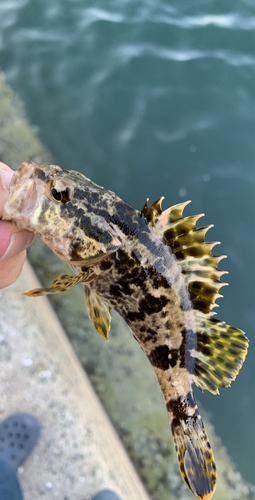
[
  {"x": 11, "y": 269},
  {"x": 6, "y": 174},
  {"x": 13, "y": 240}
]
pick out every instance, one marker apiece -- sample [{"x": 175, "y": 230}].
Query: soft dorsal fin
[
  {"x": 98, "y": 311},
  {"x": 220, "y": 353},
  {"x": 194, "y": 255}
]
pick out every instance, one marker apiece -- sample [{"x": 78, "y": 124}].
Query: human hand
[{"x": 13, "y": 241}]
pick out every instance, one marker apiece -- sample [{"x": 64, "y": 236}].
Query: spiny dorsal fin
[
  {"x": 221, "y": 351},
  {"x": 99, "y": 312},
  {"x": 194, "y": 255},
  {"x": 153, "y": 212}
]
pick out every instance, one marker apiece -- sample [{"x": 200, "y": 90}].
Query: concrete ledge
[
  {"x": 79, "y": 452},
  {"x": 18, "y": 140}
]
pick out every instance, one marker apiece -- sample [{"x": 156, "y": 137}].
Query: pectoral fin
[
  {"x": 62, "y": 283},
  {"x": 99, "y": 312}
]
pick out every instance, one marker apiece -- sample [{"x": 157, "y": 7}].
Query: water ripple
[
  {"x": 125, "y": 53},
  {"x": 199, "y": 125},
  {"x": 128, "y": 131},
  {"x": 36, "y": 35},
  {"x": 92, "y": 15},
  {"x": 11, "y": 4},
  {"x": 226, "y": 21}
]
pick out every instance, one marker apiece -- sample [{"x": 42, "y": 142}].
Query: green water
[{"x": 152, "y": 98}]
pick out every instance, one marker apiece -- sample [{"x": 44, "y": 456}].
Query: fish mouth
[{"x": 23, "y": 196}]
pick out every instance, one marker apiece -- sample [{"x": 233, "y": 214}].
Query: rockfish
[{"x": 155, "y": 269}]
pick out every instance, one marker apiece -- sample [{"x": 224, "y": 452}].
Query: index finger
[{"x": 6, "y": 174}]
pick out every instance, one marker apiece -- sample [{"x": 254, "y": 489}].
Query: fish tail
[{"x": 192, "y": 446}]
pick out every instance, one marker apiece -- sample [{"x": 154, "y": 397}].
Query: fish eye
[{"x": 58, "y": 195}]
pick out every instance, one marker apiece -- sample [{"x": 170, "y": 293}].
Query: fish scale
[{"x": 155, "y": 269}]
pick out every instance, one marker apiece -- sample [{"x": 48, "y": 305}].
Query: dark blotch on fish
[{"x": 159, "y": 357}]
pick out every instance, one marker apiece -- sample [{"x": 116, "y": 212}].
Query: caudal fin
[{"x": 195, "y": 456}]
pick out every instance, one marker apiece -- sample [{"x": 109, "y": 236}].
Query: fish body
[{"x": 156, "y": 271}]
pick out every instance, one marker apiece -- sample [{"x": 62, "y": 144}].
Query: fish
[{"x": 156, "y": 270}]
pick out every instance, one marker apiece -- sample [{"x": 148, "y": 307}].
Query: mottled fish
[{"x": 155, "y": 269}]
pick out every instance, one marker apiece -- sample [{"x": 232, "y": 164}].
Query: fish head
[{"x": 62, "y": 207}]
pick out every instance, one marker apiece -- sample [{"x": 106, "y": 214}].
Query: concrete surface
[{"x": 78, "y": 452}]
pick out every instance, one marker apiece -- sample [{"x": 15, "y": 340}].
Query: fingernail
[
  {"x": 6, "y": 177},
  {"x": 20, "y": 240}
]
